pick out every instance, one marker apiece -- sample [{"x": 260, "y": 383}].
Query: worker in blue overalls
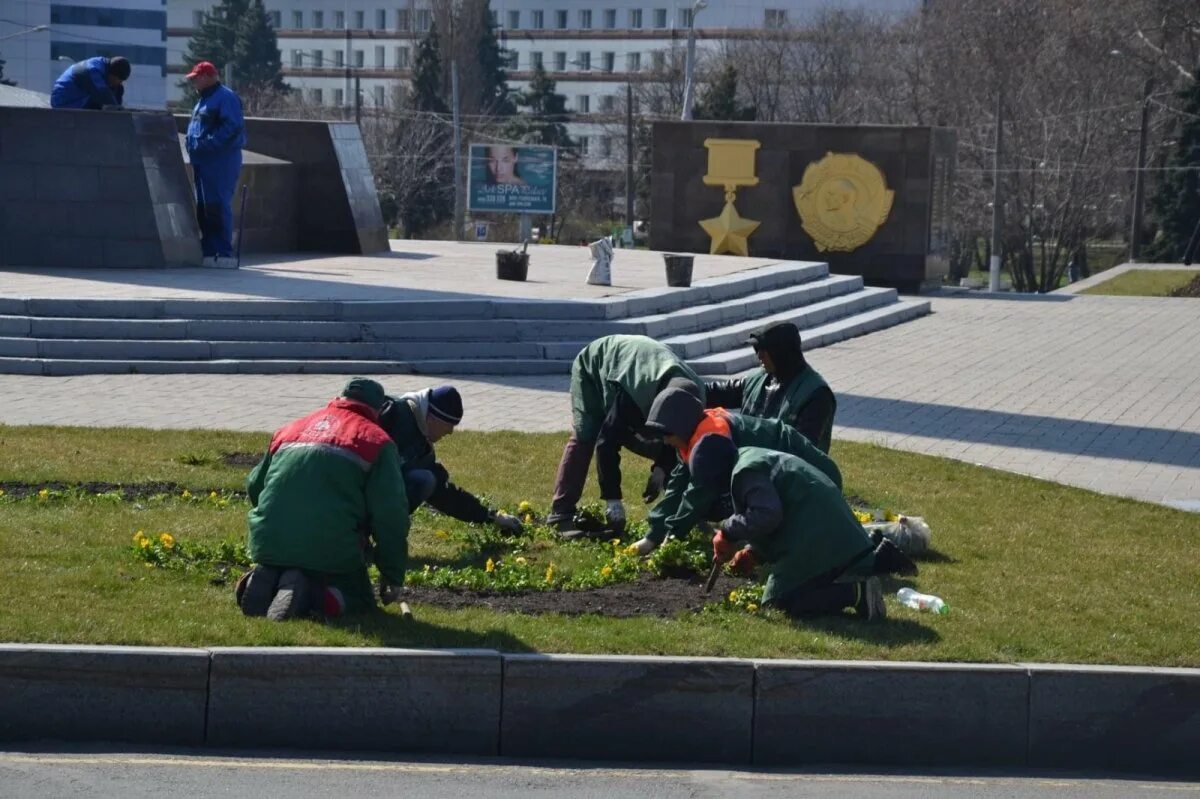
[
  {"x": 215, "y": 138},
  {"x": 91, "y": 84}
]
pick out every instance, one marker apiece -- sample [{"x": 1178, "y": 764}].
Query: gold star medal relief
[
  {"x": 730, "y": 164},
  {"x": 842, "y": 200}
]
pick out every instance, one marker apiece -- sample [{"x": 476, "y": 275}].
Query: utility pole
[
  {"x": 357, "y": 99},
  {"x": 997, "y": 198},
  {"x": 459, "y": 215},
  {"x": 228, "y": 77},
  {"x": 1139, "y": 176},
  {"x": 689, "y": 70},
  {"x": 629, "y": 155},
  {"x": 346, "y": 60}
]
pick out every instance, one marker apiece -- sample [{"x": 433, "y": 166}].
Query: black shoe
[
  {"x": 870, "y": 600},
  {"x": 890, "y": 560},
  {"x": 292, "y": 598},
  {"x": 256, "y": 589}
]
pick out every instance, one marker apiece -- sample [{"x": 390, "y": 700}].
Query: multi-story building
[
  {"x": 592, "y": 48},
  {"x": 79, "y": 29}
]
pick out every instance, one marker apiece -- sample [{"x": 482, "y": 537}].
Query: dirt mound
[
  {"x": 1191, "y": 289},
  {"x": 241, "y": 460},
  {"x": 646, "y": 596}
]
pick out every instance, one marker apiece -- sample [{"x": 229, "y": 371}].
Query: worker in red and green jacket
[{"x": 327, "y": 482}]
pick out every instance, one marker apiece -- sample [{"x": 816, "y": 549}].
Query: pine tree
[
  {"x": 427, "y": 202},
  {"x": 1176, "y": 204},
  {"x": 493, "y": 88},
  {"x": 3, "y": 80},
  {"x": 427, "y": 75},
  {"x": 545, "y": 115},
  {"x": 237, "y": 32},
  {"x": 719, "y": 100}
]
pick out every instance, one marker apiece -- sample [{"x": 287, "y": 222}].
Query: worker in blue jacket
[
  {"x": 215, "y": 138},
  {"x": 91, "y": 84}
]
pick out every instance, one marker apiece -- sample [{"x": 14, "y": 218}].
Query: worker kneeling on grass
[
  {"x": 417, "y": 421},
  {"x": 613, "y": 382},
  {"x": 327, "y": 481},
  {"x": 682, "y": 420},
  {"x": 790, "y": 516}
]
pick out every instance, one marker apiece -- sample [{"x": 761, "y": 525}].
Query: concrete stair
[{"x": 707, "y": 324}]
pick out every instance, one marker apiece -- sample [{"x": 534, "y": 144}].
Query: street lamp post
[
  {"x": 689, "y": 88},
  {"x": 35, "y": 29}
]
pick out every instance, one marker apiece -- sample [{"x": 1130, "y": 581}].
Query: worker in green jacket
[
  {"x": 327, "y": 482},
  {"x": 786, "y": 387},
  {"x": 415, "y": 422},
  {"x": 789, "y": 515},
  {"x": 613, "y": 382},
  {"x": 682, "y": 420}
]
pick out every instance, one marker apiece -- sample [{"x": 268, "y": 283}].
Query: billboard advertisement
[{"x": 510, "y": 178}]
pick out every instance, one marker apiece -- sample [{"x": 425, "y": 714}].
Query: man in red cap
[{"x": 215, "y": 138}]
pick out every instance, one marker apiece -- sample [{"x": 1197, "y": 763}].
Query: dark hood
[
  {"x": 675, "y": 412},
  {"x": 712, "y": 461},
  {"x": 782, "y": 342}
]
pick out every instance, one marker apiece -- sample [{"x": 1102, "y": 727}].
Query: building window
[
  {"x": 607, "y": 102},
  {"x": 403, "y": 22},
  {"x": 380, "y": 61},
  {"x": 401, "y": 58},
  {"x": 560, "y": 62},
  {"x": 775, "y": 18},
  {"x": 297, "y": 19},
  {"x": 514, "y": 20},
  {"x": 197, "y": 19},
  {"x": 297, "y": 59},
  {"x": 317, "y": 97},
  {"x": 656, "y": 105},
  {"x": 381, "y": 19},
  {"x": 585, "y": 19},
  {"x": 358, "y": 58},
  {"x": 318, "y": 57},
  {"x": 659, "y": 59},
  {"x": 424, "y": 20},
  {"x": 276, "y": 19},
  {"x": 585, "y": 145},
  {"x": 633, "y": 62},
  {"x": 339, "y": 19},
  {"x": 560, "y": 20},
  {"x": 583, "y": 60},
  {"x": 607, "y": 61},
  {"x": 379, "y": 98},
  {"x": 583, "y": 104},
  {"x": 635, "y": 18},
  {"x": 339, "y": 97},
  {"x": 318, "y": 19},
  {"x": 605, "y": 146},
  {"x": 359, "y": 21},
  {"x": 660, "y": 18},
  {"x": 610, "y": 18},
  {"x": 539, "y": 20},
  {"x": 339, "y": 58},
  {"x": 535, "y": 60},
  {"x": 685, "y": 18}
]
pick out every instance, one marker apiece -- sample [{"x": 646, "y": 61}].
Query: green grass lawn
[
  {"x": 1144, "y": 283},
  {"x": 1032, "y": 570}
]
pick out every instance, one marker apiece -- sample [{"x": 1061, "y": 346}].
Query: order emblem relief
[{"x": 842, "y": 201}]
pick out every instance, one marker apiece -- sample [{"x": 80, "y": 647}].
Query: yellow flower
[
  {"x": 616, "y": 542},
  {"x": 607, "y": 570},
  {"x": 45, "y": 492},
  {"x": 186, "y": 494},
  {"x": 890, "y": 516},
  {"x": 529, "y": 518},
  {"x": 863, "y": 517},
  {"x": 752, "y": 607},
  {"x": 550, "y": 573},
  {"x": 491, "y": 566},
  {"x": 631, "y": 549},
  {"x": 427, "y": 568},
  {"x": 143, "y": 543},
  {"x": 167, "y": 540},
  {"x": 1, "y": 492},
  {"x": 521, "y": 561},
  {"x": 524, "y": 507},
  {"x": 442, "y": 534},
  {"x": 733, "y": 596},
  {"x": 138, "y": 536},
  {"x": 148, "y": 565},
  {"x": 212, "y": 494}
]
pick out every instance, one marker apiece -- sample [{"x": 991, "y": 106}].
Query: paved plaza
[{"x": 1097, "y": 392}]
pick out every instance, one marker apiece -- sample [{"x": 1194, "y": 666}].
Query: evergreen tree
[
  {"x": 493, "y": 91},
  {"x": 3, "y": 80},
  {"x": 1176, "y": 204},
  {"x": 545, "y": 115},
  {"x": 430, "y": 199},
  {"x": 427, "y": 75},
  {"x": 237, "y": 32},
  {"x": 719, "y": 100}
]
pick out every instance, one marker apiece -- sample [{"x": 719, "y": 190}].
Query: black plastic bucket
[
  {"x": 512, "y": 265},
  {"x": 679, "y": 269}
]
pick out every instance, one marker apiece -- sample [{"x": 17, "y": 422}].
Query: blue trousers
[
  {"x": 419, "y": 484},
  {"x": 216, "y": 181}
]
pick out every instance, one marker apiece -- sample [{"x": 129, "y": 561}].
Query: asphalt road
[{"x": 133, "y": 775}]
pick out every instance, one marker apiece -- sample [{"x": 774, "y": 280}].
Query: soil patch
[
  {"x": 646, "y": 596},
  {"x": 128, "y": 491},
  {"x": 241, "y": 460},
  {"x": 1190, "y": 289}
]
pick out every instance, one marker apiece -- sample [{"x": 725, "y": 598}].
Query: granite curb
[{"x": 602, "y": 707}]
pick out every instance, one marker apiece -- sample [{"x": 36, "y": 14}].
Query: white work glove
[
  {"x": 614, "y": 512},
  {"x": 508, "y": 524},
  {"x": 643, "y": 547}
]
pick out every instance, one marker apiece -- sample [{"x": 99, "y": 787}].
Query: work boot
[
  {"x": 565, "y": 526},
  {"x": 870, "y": 600},
  {"x": 293, "y": 597},
  {"x": 225, "y": 262},
  {"x": 890, "y": 560},
  {"x": 256, "y": 589}
]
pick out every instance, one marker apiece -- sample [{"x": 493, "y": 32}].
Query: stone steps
[{"x": 707, "y": 324}]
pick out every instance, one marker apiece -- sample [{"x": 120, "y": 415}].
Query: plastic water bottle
[{"x": 917, "y": 601}]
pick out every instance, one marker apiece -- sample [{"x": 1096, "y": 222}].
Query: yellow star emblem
[{"x": 729, "y": 231}]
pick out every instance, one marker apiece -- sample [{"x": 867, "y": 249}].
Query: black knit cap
[{"x": 446, "y": 404}]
